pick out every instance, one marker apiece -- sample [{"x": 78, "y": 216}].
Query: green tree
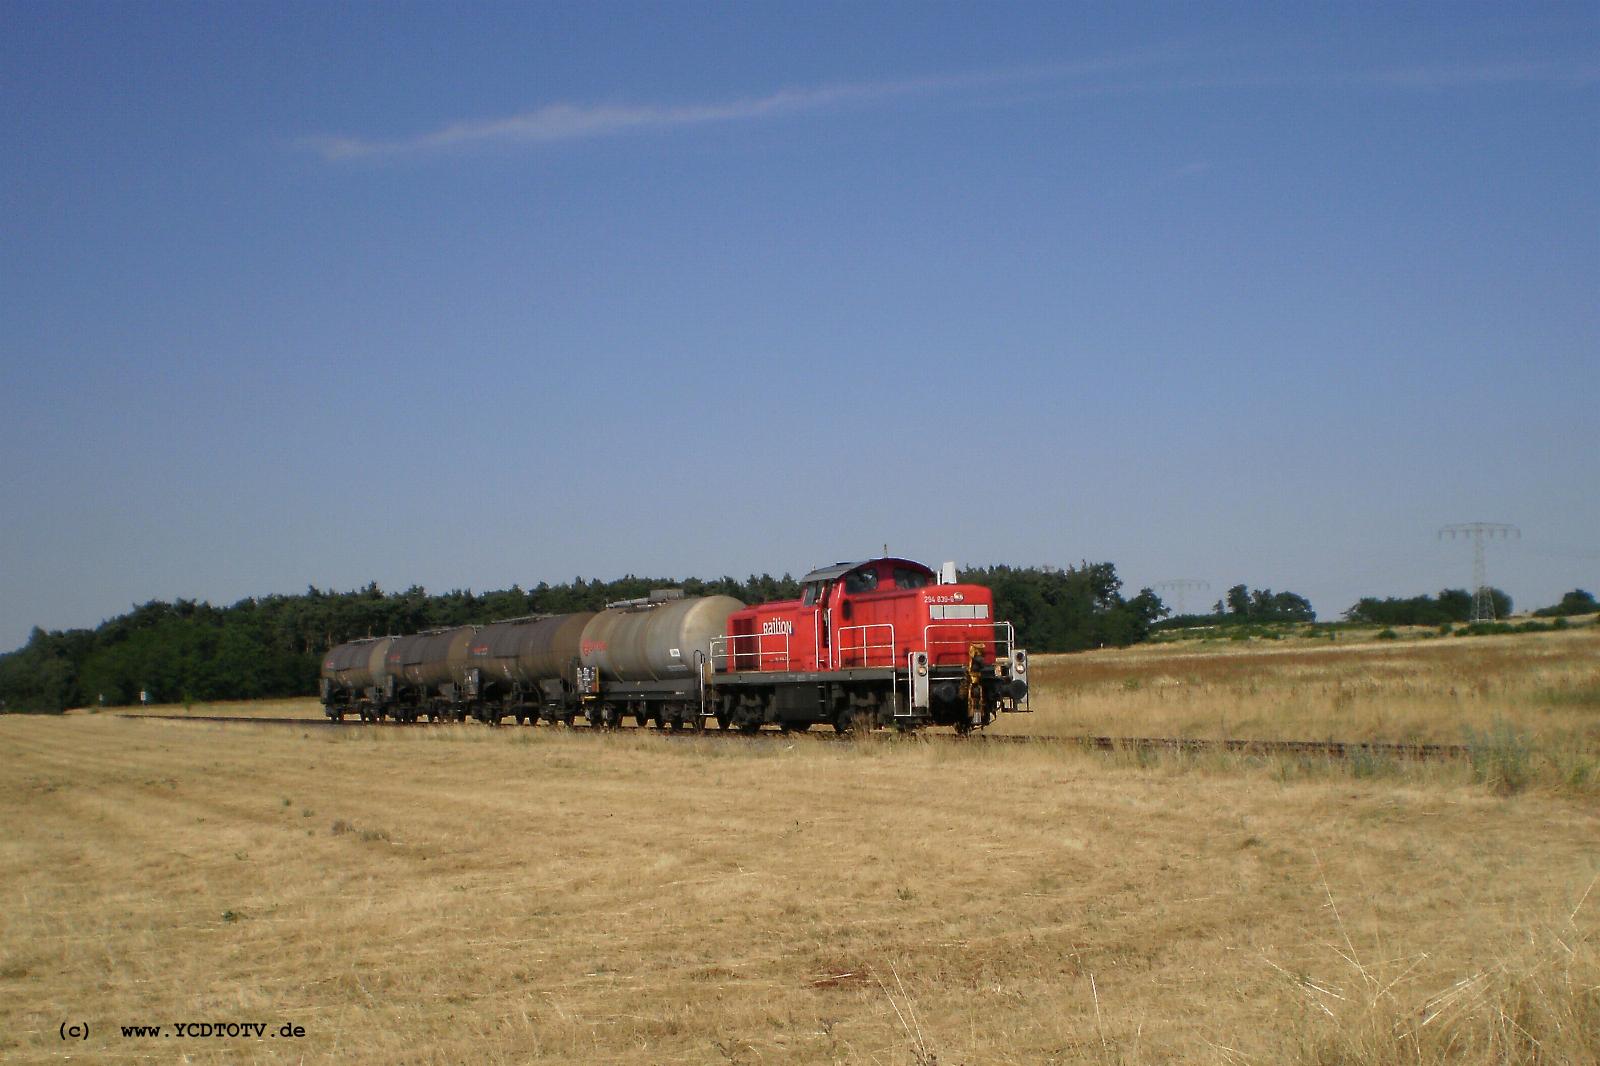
[{"x": 1577, "y": 601}]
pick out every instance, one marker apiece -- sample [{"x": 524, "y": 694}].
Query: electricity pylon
[
  {"x": 1182, "y": 585},
  {"x": 1482, "y": 599}
]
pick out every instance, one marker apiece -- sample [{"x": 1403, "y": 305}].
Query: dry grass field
[
  {"x": 1547, "y": 685},
  {"x": 463, "y": 894}
]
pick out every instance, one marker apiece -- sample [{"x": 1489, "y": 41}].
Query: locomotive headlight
[{"x": 922, "y": 665}]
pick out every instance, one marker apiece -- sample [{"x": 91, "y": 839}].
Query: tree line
[
  {"x": 272, "y": 646},
  {"x": 1242, "y": 605},
  {"x": 1455, "y": 605},
  {"x": 1450, "y": 605}
]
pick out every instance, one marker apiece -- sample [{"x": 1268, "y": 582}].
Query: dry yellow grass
[
  {"x": 1545, "y": 685},
  {"x": 305, "y": 707},
  {"x": 468, "y": 895}
]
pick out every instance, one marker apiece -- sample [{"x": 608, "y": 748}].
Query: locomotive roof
[{"x": 828, "y": 573}]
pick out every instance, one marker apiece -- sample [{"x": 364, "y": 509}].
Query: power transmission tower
[
  {"x": 1182, "y": 585},
  {"x": 1478, "y": 532}
]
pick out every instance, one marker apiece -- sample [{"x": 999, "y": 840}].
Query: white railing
[
  {"x": 726, "y": 651},
  {"x": 1001, "y": 634},
  {"x": 863, "y": 650}
]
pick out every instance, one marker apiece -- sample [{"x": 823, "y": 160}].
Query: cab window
[
  {"x": 810, "y": 596},
  {"x": 906, "y": 578},
  {"x": 861, "y": 580}
]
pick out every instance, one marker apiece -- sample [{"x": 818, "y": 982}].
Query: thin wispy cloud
[
  {"x": 1144, "y": 71},
  {"x": 569, "y": 121}
]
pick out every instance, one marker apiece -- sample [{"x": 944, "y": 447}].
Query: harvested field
[{"x": 474, "y": 895}]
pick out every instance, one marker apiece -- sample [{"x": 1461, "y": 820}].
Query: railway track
[{"x": 1328, "y": 749}]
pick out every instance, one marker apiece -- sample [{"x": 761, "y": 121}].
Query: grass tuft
[{"x": 1502, "y": 758}]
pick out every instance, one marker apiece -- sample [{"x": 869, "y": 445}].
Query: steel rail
[{"x": 1331, "y": 749}]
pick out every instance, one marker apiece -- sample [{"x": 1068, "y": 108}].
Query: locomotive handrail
[
  {"x": 1003, "y": 645},
  {"x": 727, "y": 650},
  {"x": 864, "y": 649}
]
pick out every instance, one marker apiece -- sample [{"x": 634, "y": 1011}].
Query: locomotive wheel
[{"x": 845, "y": 723}]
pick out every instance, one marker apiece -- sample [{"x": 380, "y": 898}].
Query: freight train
[{"x": 880, "y": 643}]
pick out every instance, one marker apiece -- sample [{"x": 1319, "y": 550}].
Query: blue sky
[{"x": 468, "y": 296}]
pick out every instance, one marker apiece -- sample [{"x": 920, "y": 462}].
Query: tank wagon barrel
[
  {"x": 645, "y": 658},
  {"x": 422, "y": 673},
  {"x": 655, "y": 642},
  {"x": 524, "y": 667},
  {"x": 528, "y": 650},
  {"x": 353, "y": 674}
]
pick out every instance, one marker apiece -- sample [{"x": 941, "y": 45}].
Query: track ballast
[{"x": 1329, "y": 749}]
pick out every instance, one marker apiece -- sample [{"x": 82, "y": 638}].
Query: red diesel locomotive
[{"x": 885, "y": 642}]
